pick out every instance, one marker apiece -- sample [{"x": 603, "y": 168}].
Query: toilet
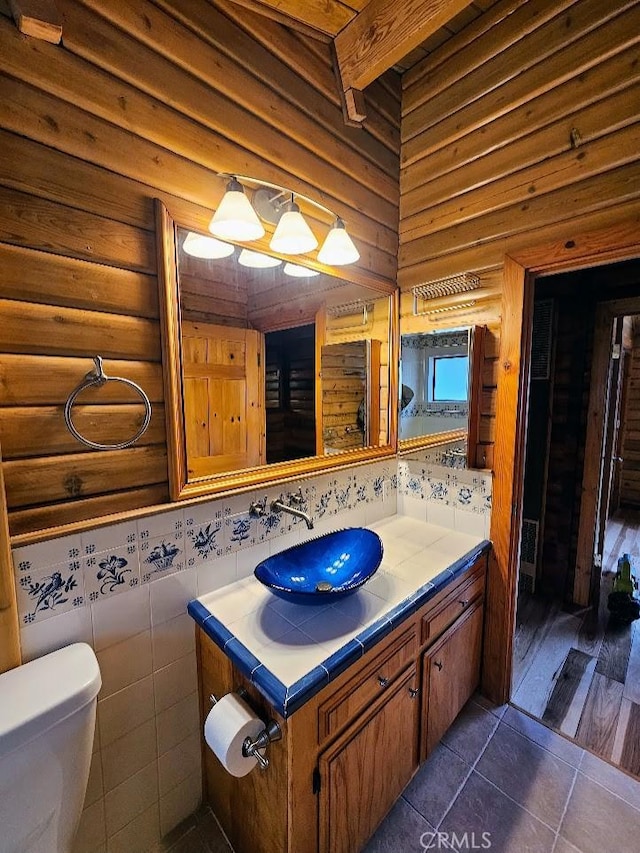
[{"x": 47, "y": 722}]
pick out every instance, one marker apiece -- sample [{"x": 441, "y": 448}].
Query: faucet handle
[
  {"x": 296, "y": 498},
  {"x": 258, "y": 508}
]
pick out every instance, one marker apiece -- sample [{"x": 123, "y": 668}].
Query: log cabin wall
[
  {"x": 147, "y": 100},
  {"x": 630, "y": 468},
  {"x": 518, "y": 130}
]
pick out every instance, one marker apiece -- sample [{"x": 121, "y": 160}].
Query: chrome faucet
[{"x": 292, "y": 506}]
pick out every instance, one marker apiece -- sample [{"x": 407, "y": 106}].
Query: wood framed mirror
[{"x": 270, "y": 377}]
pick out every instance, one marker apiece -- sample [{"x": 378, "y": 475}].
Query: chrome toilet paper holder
[{"x": 271, "y": 733}]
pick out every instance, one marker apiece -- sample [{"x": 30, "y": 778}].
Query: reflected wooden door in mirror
[{"x": 242, "y": 353}]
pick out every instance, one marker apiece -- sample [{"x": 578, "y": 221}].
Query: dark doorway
[{"x": 290, "y": 393}]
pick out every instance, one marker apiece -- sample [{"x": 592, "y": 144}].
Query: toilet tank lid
[{"x": 39, "y": 694}]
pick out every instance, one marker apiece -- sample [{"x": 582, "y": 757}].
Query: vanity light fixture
[
  {"x": 239, "y": 219},
  {"x": 200, "y": 246},
  {"x": 299, "y": 272},
  {"x": 292, "y": 235},
  {"x": 338, "y": 248},
  {"x": 235, "y": 219},
  {"x": 257, "y": 260}
]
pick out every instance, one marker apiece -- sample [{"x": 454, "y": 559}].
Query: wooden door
[
  {"x": 365, "y": 771},
  {"x": 451, "y": 672},
  {"x": 223, "y": 374}
]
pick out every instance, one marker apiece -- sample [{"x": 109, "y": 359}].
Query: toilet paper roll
[{"x": 228, "y": 723}]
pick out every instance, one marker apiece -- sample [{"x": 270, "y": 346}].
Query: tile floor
[{"x": 498, "y": 772}]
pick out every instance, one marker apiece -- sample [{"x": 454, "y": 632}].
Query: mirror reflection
[
  {"x": 278, "y": 363},
  {"x": 434, "y": 383}
]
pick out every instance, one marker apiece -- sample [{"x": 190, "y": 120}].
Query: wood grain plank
[
  {"x": 35, "y": 380},
  {"x": 38, "y": 19},
  {"x": 35, "y": 482},
  {"x": 49, "y": 330},
  {"x": 630, "y": 758},
  {"x": 598, "y": 722},
  {"x": 592, "y": 49},
  {"x": 37, "y": 223},
  {"x": 565, "y": 688},
  {"x": 30, "y": 275},
  {"x": 613, "y": 659},
  {"x": 9, "y": 629}
]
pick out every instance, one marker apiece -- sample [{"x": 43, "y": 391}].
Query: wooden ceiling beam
[
  {"x": 326, "y": 17},
  {"x": 38, "y": 19},
  {"x": 380, "y": 36}
]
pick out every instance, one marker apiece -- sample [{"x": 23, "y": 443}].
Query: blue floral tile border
[{"x": 287, "y": 699}]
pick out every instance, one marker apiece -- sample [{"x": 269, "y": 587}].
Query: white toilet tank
[{"x": 47, "y": 722}]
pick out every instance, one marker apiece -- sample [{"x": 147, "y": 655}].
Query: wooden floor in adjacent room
[{"x": 579, "y": 672}]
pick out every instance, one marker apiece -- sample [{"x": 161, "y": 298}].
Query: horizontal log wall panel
[
  {"x": 539, "y": 127},
  {"x": 60, "y": 123},
  {"x": 618, "y": 34},
  {"x": 144, "y": 101},
  {"x": 42, "y": 224},
  {"x": 106, "y": 508},
  {"x": 50, "y": 330},
  {"x": 36, "y": 380},
  {"x": 82, "y": 475},
  {"x": 519, "y": 42},
  {"x": 24, "y": 430},
  {"x": 34, "y": 276},
  {"x": 137, "y": 58},
  {"x": 593, "y": 158}
]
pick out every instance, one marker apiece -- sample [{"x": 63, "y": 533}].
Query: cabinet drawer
[
  {"x": 337, "y": 711},
  {"x": 433, "y": 624}
]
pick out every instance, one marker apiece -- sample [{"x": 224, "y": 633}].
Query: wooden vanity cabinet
[
  {"x": 364, "y": 772},
  {"x": 348, "y": 752}
]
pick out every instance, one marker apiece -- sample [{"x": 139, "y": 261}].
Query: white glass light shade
[
  {"x": 235, "y": 219},
  {"x": 257, "y": 260},
  {"x": 200, "y": 246},
  {"x": 338, "y": 248},
  {"x": 299, "y": 272},
  {"x": 293, "y": 236}
]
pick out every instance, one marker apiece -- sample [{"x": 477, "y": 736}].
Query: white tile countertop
[{"x": 290, "y": 651}]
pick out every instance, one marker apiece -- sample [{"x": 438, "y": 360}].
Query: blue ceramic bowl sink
[{"x": 323, "y": 569}]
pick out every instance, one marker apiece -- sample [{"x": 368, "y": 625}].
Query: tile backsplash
[{"x": 124, "y": 589}]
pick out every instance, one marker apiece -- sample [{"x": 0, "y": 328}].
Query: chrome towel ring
[{"x": 97, "y": 377}]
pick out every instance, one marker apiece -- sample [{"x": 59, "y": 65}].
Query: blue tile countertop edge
[{"x": 286, "y": 700}]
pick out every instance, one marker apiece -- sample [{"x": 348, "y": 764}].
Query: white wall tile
[
  {"x": 131, "y": 798},
  {"x": 180, "y": 802},
  {"x": 91, "y": 831},
  {"x": 172, "y": 640},
  {"x": 214, "y": 574},
  {"x": 175, "y": 682},
  {"x": 95, "y": 788},
  {"x": 248, "y": 559},
  {"x": 170, "y": 595},
  {"x": 140, "y": 835},
  {"x": 40, "y": 638},
  {"x": 126, "y": 710},
  {"x": 178, "y": 722},
  {"x": 124, "y": 663},
  {"x": 441, "y": 514},
  {"x": 125, "y": 756},
  {"x": 412, "y": 507},
  {"x": 115, "y": 620},
  {"x": 472, "y": 523},
  {"x": 181, "y": 761}
]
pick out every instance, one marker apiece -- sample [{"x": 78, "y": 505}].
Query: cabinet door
[
  {"x": 365, "y": 771},
  {"x": 451, "y": 672}
]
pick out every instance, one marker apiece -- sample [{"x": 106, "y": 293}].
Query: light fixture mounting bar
[
  {"x": 348, "y": 309},
  {"x": 258, "y": 184}
]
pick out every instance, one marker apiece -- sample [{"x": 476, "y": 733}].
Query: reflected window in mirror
[
  {"x": 435, "y": 371},
  {"x": 250, "y": 398}
]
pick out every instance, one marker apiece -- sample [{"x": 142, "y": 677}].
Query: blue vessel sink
[{"x": 323, "y": 569}]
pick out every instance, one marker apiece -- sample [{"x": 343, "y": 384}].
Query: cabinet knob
[
  {"x": 382, "y": 681},
  {"x": 413, "y": 692},
  {"x": 438, "y": 664},
  {"x": 464, "y": 602}
]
